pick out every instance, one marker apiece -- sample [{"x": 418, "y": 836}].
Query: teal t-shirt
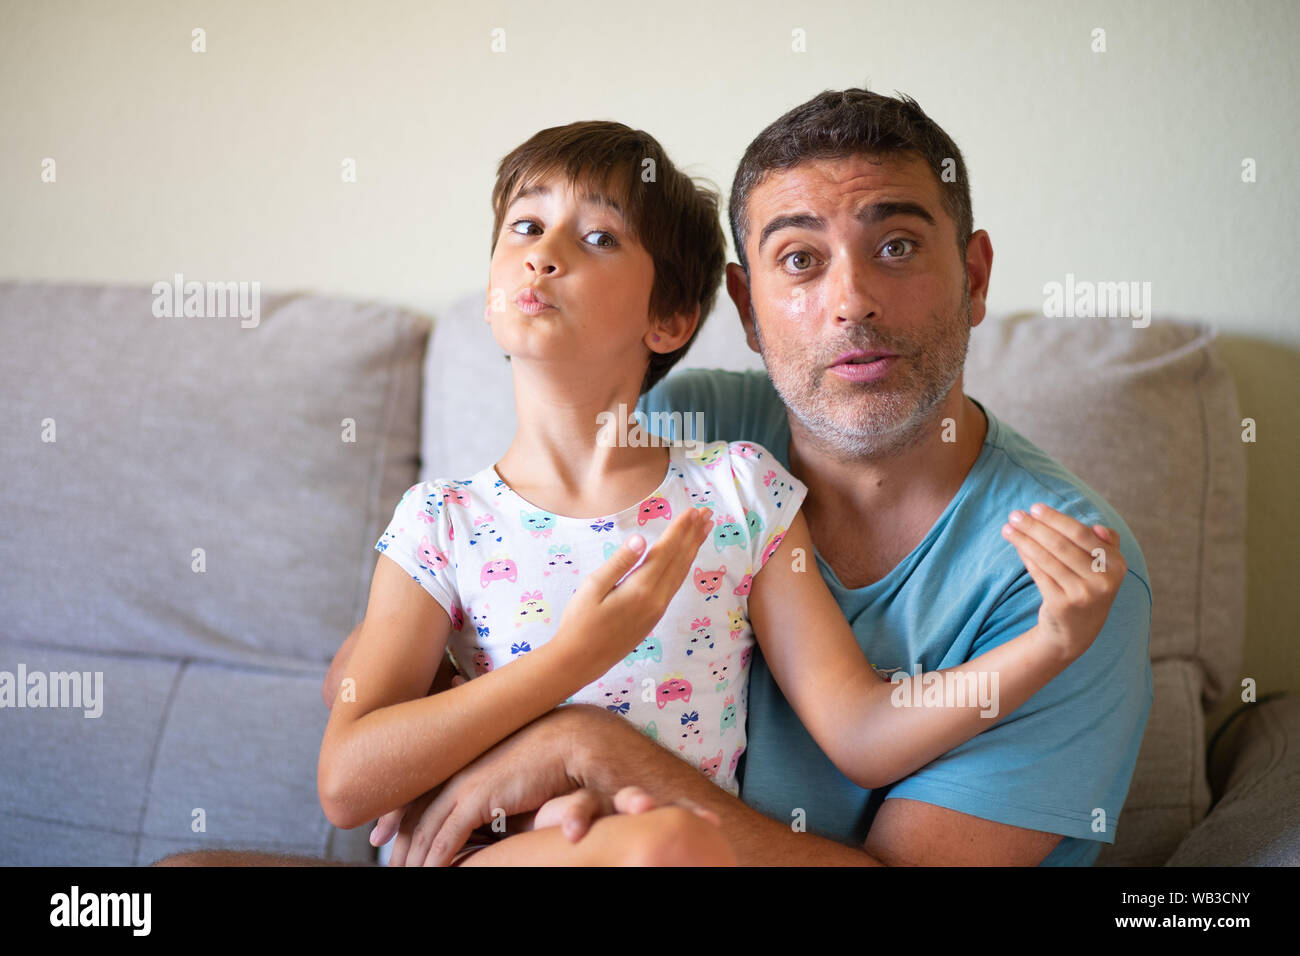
[{"x": 1062, "y": 763}]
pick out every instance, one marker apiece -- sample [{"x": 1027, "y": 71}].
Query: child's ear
[{"x": 670, "y": 334}]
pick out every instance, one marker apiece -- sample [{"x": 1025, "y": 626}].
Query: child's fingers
[
  {"x": 1083, "y": 536},
  {"x": 1047, "y": 586},
  {"x": 670, "y": 559},
  {"x": 1030, "y": 549},
  {"x": 1061, "y": 546}
]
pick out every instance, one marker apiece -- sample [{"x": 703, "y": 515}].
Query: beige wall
[{"x": 1122, "y": 165}]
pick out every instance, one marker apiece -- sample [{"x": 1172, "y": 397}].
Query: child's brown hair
[{"x": 673, "y": 216}]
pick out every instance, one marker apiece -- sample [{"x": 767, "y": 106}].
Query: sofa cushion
[{"x": 176, "y": 434}]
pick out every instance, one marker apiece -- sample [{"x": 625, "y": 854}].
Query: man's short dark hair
[{"x": 839, "y": 123}]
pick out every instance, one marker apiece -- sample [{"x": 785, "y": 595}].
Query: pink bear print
[
  {"x": 742, "y": 589},
  {"x": 430, "y": 557},
  {"x": 744, "y": 449},
  {"x": 456, "y": 495},
  {"x": 482, "y": 663},
  {"x": 532, "y": 609},
  {"x": 745, "y": 655},
  {"x": 616, "y": 696},
  {"x": 500, "y": 568},
  {"x": 738, "y": 622},
  {"x": 674, "y": 688},
  {"x": 457, "y": 617},
  {"x": 708, "y": 582},
  {"x": 654, "y": 507},
  {"x": 711, "y": 765},
  {"x": 773, "y": 543}
]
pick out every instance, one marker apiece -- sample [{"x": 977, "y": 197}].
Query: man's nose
[{"x": 852, "y": 292}]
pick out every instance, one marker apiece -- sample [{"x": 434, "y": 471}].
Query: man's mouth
[{"x": 864, "y": 365}]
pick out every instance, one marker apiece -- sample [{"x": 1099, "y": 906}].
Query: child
[{"x": 518, "y": 564}]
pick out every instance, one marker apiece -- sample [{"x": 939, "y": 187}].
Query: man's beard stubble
[{"x": 874, "y": 420}]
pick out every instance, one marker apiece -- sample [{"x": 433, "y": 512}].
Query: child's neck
[{"x": 556, "y": 462}]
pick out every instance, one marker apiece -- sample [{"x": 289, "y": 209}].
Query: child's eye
[
  {"x": 524, "y": 222},
  {"x": 604, "y": 245}
]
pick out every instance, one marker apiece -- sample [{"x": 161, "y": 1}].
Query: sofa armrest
[{"x": 1255, "y": 764}]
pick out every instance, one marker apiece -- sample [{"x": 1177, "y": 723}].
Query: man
[{"x": 859, "y": 280}]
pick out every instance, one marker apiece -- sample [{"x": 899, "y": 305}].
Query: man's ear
[
  {"x": 979, "y": 266},
  {"x": 738, "y": 289}
]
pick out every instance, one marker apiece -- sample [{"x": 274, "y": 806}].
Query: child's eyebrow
[{"x": 590, "y": 198}]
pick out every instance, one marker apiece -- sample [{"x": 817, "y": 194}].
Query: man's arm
[{"x": 912, "y": 833}]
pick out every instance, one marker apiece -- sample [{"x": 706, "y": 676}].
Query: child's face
[{"x": 593, "y": 280}]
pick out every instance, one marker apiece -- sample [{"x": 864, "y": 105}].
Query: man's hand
[
  {"x": 493, "y": 785},
  {"x": 1078, "y": 571},
  {"x": 575, "y": 812}
]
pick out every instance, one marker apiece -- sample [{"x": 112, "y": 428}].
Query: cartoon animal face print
[
  {"x": 457, "y": 617},
  {"x": 387, "y": 538},
  {"x": 430, "y": 557},
  {"x": 737, "y": 622},
  {"x": 559, "y": 560},
  {"x": 735, "y": 758},
  {"x": 485, "y": 530},
  {"x": 648, "y": 650},
  {"x": 675, "y": 688},
  {"x": 711, "y": 765},
  {"x": 754, "y": 522},
  {"x": 455, "y": 496},
  {"x": 651, "y": 730},
  {"x": 708, "y": 582},
  {"x": 773, "y": 543},
  {"x": 741, "y": 589},
  {"x": 710, "y": 456},
  {"x": 700, "y": 637},
  {"x": 745, "y": 655},
  {"x": 532, "y": 609},
  {"x": 482, "y": 663},
  {"x": 719, "y": 671},
  {"x": 537, "y": 523},
  {"x": 727, "y": 533},
  {"x": 653, "y": 507},
  {"x": 778, "y": 488},
  {"x": 743, "y": 449},
  {"x": 498, "y": 569},
  {"x": 479, "y": 619},
  {"x": 700, "y": 497},
  {"x": 609, "y": 548},
  {"x": 692, "y": 733},
  {"x": 615, "y": 695},
  {"x": 728, "y": 712}
]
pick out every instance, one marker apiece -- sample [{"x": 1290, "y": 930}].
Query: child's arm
[
  {"x": 849, "y": 709},
  {"x": 386, "y": 743}
]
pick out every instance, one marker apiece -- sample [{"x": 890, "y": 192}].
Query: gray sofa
[{"x": 190, "y": 508}]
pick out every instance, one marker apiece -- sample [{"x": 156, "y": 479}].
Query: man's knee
[{"x": 674, "y": 836}]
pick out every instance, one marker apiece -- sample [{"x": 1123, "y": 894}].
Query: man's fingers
[{"x": 633, "y": 800}]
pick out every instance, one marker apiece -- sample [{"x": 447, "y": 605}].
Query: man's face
[
  {"x": 568, "y": 284},
  {"x": 850, "y": 255}
]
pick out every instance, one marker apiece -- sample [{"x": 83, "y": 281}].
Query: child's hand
[
  {"x": 603, "y": 623},
  {"x": 1078, "y": 571}
]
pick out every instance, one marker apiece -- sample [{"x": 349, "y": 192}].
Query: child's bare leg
[{"x": 669, "y": 836}]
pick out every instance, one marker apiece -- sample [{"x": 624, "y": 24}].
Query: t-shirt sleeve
[
  {"x": 1063, "y": 762},
  {"x": 418, "y": 539},
  {"x": 770, "y": 498}
]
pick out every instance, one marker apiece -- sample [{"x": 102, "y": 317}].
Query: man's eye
[
  {"x": 611, "y": 243},
  {"x": 801, "y": 261},
  {"x": 896, "y": 243},
  {"x": 524, "y": 222}
]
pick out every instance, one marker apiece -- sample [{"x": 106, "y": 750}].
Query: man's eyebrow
[
  {"x": 872, "y": 213},
  {"x": 592, "y": 199}
]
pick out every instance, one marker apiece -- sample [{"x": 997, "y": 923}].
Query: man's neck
[{"x": 867, "y": 514}]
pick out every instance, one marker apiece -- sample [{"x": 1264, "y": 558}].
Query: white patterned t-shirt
[{"x": 504, "y": 571}]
